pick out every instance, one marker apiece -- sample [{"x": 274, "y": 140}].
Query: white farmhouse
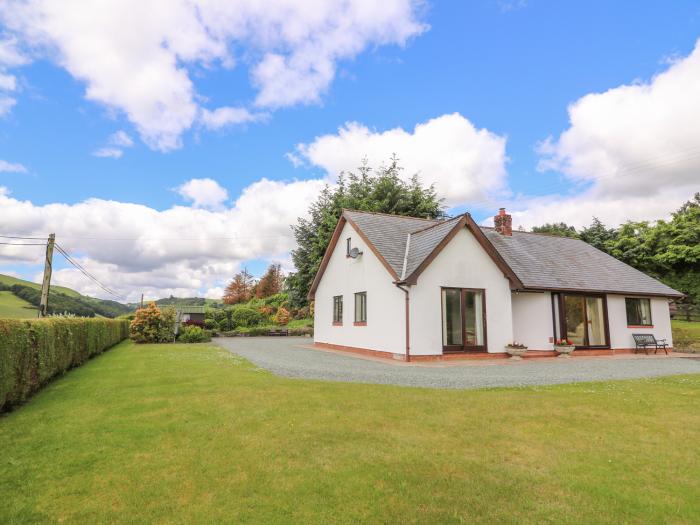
[{"x": 420, "y": 289}]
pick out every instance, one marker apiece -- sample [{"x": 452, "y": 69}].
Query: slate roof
[{"x": 539, "y": 261}]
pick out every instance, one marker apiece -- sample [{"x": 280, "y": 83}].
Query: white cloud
[
  {"x": 6, "y": 105},
  {"x": 121, "y": 139},
  {"x": 7, "y": 82},
  {"x": 227, "y": 116},
  {"x": 466, "y": 164},
  {"x": 632, "y": 151},
  {"x": 11, "y": 167},
  {"x": 137, "y": 56},
  {"x": 203, "y": 193},
  {"x": 108, "y": 153},
  {"x": 182, "y": 251}
]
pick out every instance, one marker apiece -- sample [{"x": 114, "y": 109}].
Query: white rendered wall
[
  {"x": 385, "y": 330},
  {"x": 532, "y": 320},
  {"x": 463, "y": 263},
  {"x": 621, "y": 335}
]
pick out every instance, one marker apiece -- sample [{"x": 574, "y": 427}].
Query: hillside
[{"x": 19, "y": 299}]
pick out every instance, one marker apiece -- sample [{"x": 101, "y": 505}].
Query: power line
[
  {"x": 87, "y": 274},
  {"x": 24, "y": 238},
  {"x": 23, "y": 243}
]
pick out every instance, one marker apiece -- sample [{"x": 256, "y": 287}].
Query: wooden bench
[
  {"x": 279, "y": 331},
  {"x": 647, "y": 341}
]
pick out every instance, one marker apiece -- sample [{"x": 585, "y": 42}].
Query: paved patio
[{"x": 294, "y": 357}]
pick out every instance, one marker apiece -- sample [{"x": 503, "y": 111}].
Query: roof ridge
[
  {"x": 390, "y": 215},
  {"x": 439, "y": 223},
  {"x": 541, "y": 234}
]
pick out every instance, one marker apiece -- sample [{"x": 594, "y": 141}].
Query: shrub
[
  {"x": 224, "y": 325},
  {"x": 282, "y": 316},
  {"x": 153, "y": 325},
  {"x": 194, "y": 334},
  {"x": 210, "y": 324},
  {"x": 32, "y": 352},
  {"x": 246, "y": 317}
]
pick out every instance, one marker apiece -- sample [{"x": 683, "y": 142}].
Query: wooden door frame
[
  {"x": 562, "y": 318},
  {"x": 463, "y": 348}
]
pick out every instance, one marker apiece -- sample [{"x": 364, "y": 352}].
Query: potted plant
[
  {"x": 516, "y": 350},
  {"x": 564, "y": 347}
]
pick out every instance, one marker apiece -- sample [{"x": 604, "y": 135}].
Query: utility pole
[
  {"x": 142, "y": 301},
  {"x": 46, "y": 283}
]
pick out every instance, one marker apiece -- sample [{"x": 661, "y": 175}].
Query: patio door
[
  {"x": 463, "y": 320},
  {"x": 583, "y": 320}
]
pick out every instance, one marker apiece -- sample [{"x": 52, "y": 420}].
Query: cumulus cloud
[
  {"x": 466, "y": 164},
  {"x": 203, "y": 193},
  {"x": 632, "y": 151},
  {"x": 291, "y": 48},
  {"x": 6, "y": 105},
  {"x": 181, "y": 251},
  {"x": 108, "y": 153},
  {"x": 11, "y": 167},
  {"x": 116, "y": 143},
  {"x": 121, "y": 139}
]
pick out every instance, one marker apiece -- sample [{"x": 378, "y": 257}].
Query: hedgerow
[{"x": 32, "y": 352}]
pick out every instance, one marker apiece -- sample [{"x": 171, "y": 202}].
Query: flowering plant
[
  {"x": 515, "y": 344},
  {"x": 563, "y": 342}
]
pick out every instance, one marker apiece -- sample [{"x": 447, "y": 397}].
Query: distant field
[
  {"x": 12, "y": 307},
  {"x": 9, "y": 281},
  {"x": 686, "y": 335}
]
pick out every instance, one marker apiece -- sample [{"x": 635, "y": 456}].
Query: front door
[
  {"x": 463, "y": 320},
  {"x": 584, "y": 320}
]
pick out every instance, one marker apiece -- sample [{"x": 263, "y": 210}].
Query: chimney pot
[{"x": 503, "y": 222}]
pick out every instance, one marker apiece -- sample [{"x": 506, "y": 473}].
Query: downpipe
[{"x": 406, "y": 292}]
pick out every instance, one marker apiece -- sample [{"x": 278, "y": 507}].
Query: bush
[
  {"x": 153, "y": 325},
  {"x": 32, "y": 352},
  {"x": 193, "y": 334},
  {"x": 246, "y": 317},
  {"x": 210, "y": 324},
  {"x": 282, "y": 316},
  {"x": 224, "y": 325}
]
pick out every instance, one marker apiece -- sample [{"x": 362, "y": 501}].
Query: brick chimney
[{"x": 503, "y": 222}]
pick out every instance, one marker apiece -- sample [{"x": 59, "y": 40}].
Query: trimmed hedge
[{"x": 32, "y": 352}]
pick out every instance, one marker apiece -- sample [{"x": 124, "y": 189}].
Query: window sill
[
  {"x": 640, "y": 326},
  {"x": 360, "y": 323},
  {"x": 335, "y": 323}
]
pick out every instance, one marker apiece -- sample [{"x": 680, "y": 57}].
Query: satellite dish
[{"x": 355, "y": 253}]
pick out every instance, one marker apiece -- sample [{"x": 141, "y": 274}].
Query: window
[
  {"x": 638, "y": 311},
  {"x": 581, "y": 318},
  {"x": 338, "y": 309},
  {"x": 463, "y": 320},
  {"x": 361, "y": 308}
]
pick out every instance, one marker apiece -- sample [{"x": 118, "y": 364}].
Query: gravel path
[{"x": 286, "y": 356}]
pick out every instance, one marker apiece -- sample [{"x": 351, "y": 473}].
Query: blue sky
[{"x": 508, "y": 69}]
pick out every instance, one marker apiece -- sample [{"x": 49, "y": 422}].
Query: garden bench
[
  {"x": 279, "y": 331},
  {"x": 647, "y": 341}
]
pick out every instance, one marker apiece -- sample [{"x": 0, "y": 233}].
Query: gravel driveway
[{"x": 288, "y": 357}]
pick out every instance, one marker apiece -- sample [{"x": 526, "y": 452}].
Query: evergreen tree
[
  {"x": 271, "y": 283},
  {"x": 598, "y": 235},
  {"x": 240, "y": 289},
  {"x": 557, "y": 228},
  {"x": 382, "y": 191}
]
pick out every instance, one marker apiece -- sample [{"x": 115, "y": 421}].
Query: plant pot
[
  {"x": 516, "y": 353},
  {"x": 564, "y": 351}
]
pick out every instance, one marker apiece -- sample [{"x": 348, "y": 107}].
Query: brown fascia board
[
  {"x": 466, "y": 220},
  {"x": 609, "y": 292},
  {"x": 331, "y": 246}
]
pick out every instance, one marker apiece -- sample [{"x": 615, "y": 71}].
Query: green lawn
[
  {"x": 191, "y": 434},
  {"x": 12, "y": 307},
  {"x": 686, "y": 335}
]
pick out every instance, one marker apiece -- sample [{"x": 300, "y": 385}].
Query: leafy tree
[
  {"x": 282, "y": 316},
  {"x": 557, "y": 228},
  {"x": 271, "y": 283},
  {"x": 381, "y": 191},
  {"x": 240, "y": 289},
  {"x": 598, "y": 236}
]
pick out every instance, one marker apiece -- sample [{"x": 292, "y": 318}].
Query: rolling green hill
[
  {"x": 12, "y": 307},
  {"x": 19, "y": 299},
  {"x": 8, "y": 280}
]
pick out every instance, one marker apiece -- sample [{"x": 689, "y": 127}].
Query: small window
[
  {"x": 347, "y": 247},
  {"x": 338, "y": 309},
  {"x": 361, "y": 307},
  {"x": 638, "y": 311}
]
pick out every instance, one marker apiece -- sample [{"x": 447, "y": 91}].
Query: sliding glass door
[
  {"x": 582, "y": 319},
  {"x": 463, "y": 320}
]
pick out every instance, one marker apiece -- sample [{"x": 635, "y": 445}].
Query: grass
[
  {"x": 192, "y": 434},
  {"x": 686, "y": 335},
  {"x": 8, "y": 280},
  {"x": 13, "y": 307}
]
